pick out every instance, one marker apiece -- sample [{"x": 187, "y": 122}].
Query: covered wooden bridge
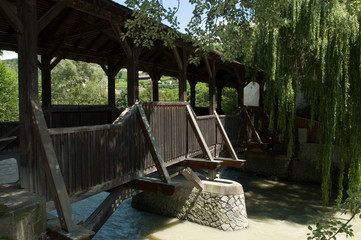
[{"x": 67, "y": 159}]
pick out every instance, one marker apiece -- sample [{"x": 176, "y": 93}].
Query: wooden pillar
[
  {"x": 111, "y": 89},
  {"x": 219, "y": 96},
  {"x": 28, "y": 85},
  {"x": 260, "y": 81},
  {"x": 133, "y": 76},
  {"x": 182, "y": 61},
  {"x": 155, "y": 75},
  {"x": 111, "y": 72},
  {"x": 212, "y": 72},
  {"x": 193, "y": 94},
  {"x": 46, "y": 80},
  {"x": 240, "y": 86}
]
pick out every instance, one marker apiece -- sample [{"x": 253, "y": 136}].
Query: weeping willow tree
[{"x": 313, "y": 45}]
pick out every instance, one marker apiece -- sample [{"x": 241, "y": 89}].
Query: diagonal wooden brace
[
  {"x": 152, "y": 144},
  {"x": 52, "y": 168},
  {"x": 198, "y": 133},
  {"x": 225, "y": 137}
]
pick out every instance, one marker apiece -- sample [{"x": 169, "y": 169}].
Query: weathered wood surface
[
  {"x": 155, "y": 186},
  {"x": 97, "y": 219},
  {"x": 200, "y": 163},
  {"x": 98, "y": 158},
  {"x": 225, "y": 138},
  {"x": 52, "y": 169},
  {"x": 72, "y": 116},
  {"x": 152, "y": 145}
]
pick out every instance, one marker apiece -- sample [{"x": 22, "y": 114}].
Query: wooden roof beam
[
  {"x": 178, "y": 58},
  {"x": 123, "y": 42},
  {"x": 10, "y": 12},
  {"x": 50, "y": 15},
  {"x": 101, "y": 9},
  {"x": 79, "y": 32}
]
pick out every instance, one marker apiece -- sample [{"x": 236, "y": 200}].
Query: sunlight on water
[{"x": 277, "y": 211}]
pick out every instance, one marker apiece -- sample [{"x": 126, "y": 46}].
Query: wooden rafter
[
  {"x": 9, "y": 11},
  {"x": 124, "y": 43},
  {"x": 52, "y": 13}
]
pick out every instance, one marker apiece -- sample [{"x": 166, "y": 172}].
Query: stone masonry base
[
  {"x": 221, "y": 204},
  {"x": 22, "y": 215}
]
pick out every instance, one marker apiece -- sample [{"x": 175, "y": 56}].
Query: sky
[{"x": 184, "y": 15}]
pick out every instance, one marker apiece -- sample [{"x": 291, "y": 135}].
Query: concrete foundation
[
  {"x": 221, "y": 204},
  {"x": 22, "y": 215}
]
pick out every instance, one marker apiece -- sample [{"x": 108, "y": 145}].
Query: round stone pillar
[{"x": 221, "y": 204}]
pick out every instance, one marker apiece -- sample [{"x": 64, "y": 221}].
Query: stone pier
[
  {"x": 221, "y": 204},
  {"x": 22, "y": 214}
]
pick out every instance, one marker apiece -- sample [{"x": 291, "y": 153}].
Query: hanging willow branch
[{"x": 312, "y": 45}]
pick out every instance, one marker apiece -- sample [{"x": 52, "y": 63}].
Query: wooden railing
[
  {"x": 84, "y": 115},
  {"x": 93, "y": 159}
]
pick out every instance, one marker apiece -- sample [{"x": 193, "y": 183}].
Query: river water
[{"x": 277, "y": 210}]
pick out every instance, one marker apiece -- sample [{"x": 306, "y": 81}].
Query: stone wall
[
  {"x": 22, "y": 215},
  {"x": 221, "y": 204}
]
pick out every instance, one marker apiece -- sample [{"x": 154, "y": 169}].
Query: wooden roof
[{"x": 83, "y": 30}]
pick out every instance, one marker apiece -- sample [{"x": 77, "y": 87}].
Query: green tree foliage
[
  {"x": 309, "y": 44},
  {"x": 229, "y": 100},
  {"x": 202, "y": 95},
  {"x": 9, "y": 98},
  {"x": 78, "y": 83}
]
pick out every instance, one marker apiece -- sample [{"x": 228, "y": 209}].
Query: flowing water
[{"x": 277, "y": 210}]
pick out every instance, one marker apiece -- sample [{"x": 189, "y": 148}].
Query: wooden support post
[
  {"x": 111, "y": 89},
  {"x": 260, "y": 81},
  {"x": 211, "y": 68},
  {"x": 28, "y": 84},
  {"x": 155, "y": 76},
  {"x": 111, "y": 72},
  {"x": 133, "y": 76},
  {"x": 152, "y": 144},
  {"x": 219, "y": 96},
  {"x": 240, "y": 87},
  {"x": 182, "y": 62},
  {"x": 132, "y": 52},
  {"x": 46, "y": 80},
  {"x": 193, "y": 94}
]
